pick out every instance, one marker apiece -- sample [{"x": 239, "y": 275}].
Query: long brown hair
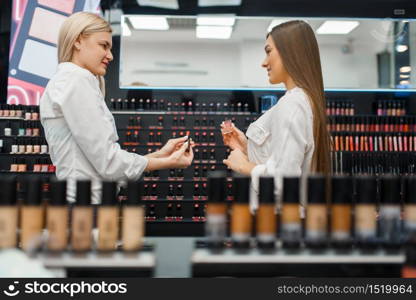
[{"x": 298, "y": 49}]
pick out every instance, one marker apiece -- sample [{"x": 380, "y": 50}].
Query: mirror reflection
[{"x": 225, "y": 51}]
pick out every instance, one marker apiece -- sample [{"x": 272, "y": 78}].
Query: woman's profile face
[
  {"x": 93, "y": 52},
  {"x": 273, "y": 63}
]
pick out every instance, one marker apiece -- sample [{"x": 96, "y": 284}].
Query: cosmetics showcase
[{"x": 48, "y": 223}]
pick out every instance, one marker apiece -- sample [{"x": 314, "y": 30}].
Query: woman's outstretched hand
[{"x": 235, "y": 138}]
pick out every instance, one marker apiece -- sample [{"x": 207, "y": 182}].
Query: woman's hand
[
  {"x": 238, "y": 162},
  {"x": 236, "y": 139},
  {"x": 182, "y": 157},
  {"x": 171, "y": 145}
]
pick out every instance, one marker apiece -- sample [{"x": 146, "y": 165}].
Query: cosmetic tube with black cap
[
  {"x": 133, "y": 224},
  {"x": 82, "y": 218},
  {"x": 8, "y": 213},
  {"x": 57, "y": 216},
  {"x": 241, "y": 218},
  {"x": 216, "y": 213},
  {"x": 31, "y": 215},
  {"x": 366, "y": 213},
  {"x": 316, "y": 231},
  {"x": 390, "y": 210},
  {"x": 266, "y": 221},
  {"x": 341, "y": 212},
  {"x": 290, "y": 223},
  {"x": 108, "y": 217}
]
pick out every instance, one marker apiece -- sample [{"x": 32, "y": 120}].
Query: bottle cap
[
  {"x": 266, "y": 190},
  {"x": 8, "y": 190},
  {"x": 58, "y": 192},
  {"x": 83, "y": 194},
  {"x": 291, "y": 190},
  {"x": 33, "y": 191},
  {"x": 216, "y": 186},
  {"x": 316, "y": 189},
  {"x": 366, "y": 187},
  {"x": 109, "y": 193},
  {"x": 134, "y": 193},
  {"x": 341, "y": 189},
  {"x": 241, "y": 189},
  {"x": 390, "y": 189}
]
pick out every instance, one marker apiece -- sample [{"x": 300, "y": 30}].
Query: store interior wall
[{"x": 5, "y": 13}]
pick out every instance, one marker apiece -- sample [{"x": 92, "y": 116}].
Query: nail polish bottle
[
  {"x": 36, "y": 146},
  {"x": 44, "y": 147},
  {"x": 57, "y": 217},
  {"x": 6, "y": 111},
  {"x": 21, "y": 165},
  {"x": 290, "y": 223},
  {"x": 341, "y": 212},
  {"x": 31, "y": 215},
  {"x": 35, "y": 113},
  {"x": 389, "y": 213},
  {"x": 8, "y": 213},
  {"x": 241, "y": 219},
  {"x": 14, "y": 165},
  {"x": 216, "y": 216},
  {"x": 316, "y": 233},
  {"x": 15, "y": 147},
  {"x": 8, "y": 129},
  {"x": 108, "y": 217},
  {"x": 133, "y": 225},
  {"x": 266, "y": 222},
  {"x": 82, "y": 218}
]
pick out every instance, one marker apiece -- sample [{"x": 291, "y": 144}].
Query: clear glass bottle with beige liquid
[
  {"x": 316, "y": 225},
  {"x": 290, "y": 222},
  {"x": 216, "y": 212},
  {"x": 266, "y": 221},
  {"x": 241, "y": 218},
  {"x": 57, "y": 215},
  {"x": 82, "y": 218},
  {"x": 108, "y": 218},
  {"x": 32, "y": 215},
  {"x": 8, "y": 213},
  {"x": 133, "y": 224}
]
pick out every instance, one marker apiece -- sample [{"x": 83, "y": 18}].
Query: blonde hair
[
  {"x": 79, "y": 24},
  {"x": 298, "y": 48}
]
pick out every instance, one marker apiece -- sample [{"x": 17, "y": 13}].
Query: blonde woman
[
  {"x": 291, "y": 138},
  {"x": 79, "y": 128}
]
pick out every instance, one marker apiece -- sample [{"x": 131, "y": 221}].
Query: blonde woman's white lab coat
[{"x": 81, "y": 132}]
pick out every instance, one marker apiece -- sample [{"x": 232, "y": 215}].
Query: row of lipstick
[
  {"x": 372, "y": 123},
  {"x": 374, "y": 142},
  {"x": 180, "y": 106},
  {"x": 176, "y": 121}
]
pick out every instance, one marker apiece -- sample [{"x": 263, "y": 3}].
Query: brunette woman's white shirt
[
  {"x": 81, "y": 132},
  {"x": 281, "y": 141}
]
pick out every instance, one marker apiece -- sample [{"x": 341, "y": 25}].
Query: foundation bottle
[
  {"x": 366, "y": 213},
  {"x": 133, "y": 225},
  {"x": 266, "y": 222},
  {"x": 316, "y": 233},
  {"x": 409, "y": 217},
  {"x": 8, "y": 213},
  {"x": 82, "y": 218},
  {"x": 341, "y": 212},
  {"x": 409, "y": 267},
  {"x": 241, "y": 219},
  {"x": 290, "y": 223},
  {"x": 216, "y": 211},
  {"x": 390, "y": 211},
  {"x": 57, "y": 215},
  {"x": 108, "y": 218},
  {"x": 31, "y": 216}
]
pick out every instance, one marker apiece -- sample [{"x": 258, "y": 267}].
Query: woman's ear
[{"x": 77, "y": 43}]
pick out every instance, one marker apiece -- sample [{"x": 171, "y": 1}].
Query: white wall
[{"x": 239, "y": 64}]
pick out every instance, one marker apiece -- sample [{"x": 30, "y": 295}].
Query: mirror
[{"x": 183, "y": 52}]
